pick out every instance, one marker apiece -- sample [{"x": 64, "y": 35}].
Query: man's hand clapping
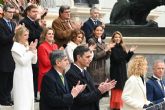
[
  {"x": 77, "y": 89},
  {"x": 107, "y": 86}
]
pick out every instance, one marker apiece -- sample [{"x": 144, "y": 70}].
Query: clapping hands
[
  {"x": 107, "y": 86},
  {"x": 77, "y": 89},
  {"x": 33, "y": 45}
]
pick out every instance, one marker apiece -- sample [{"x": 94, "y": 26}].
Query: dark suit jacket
[
  {"x": 89, "y": 98},
  {"x": 34, "y": 28},
  {"x": 6, "y": 43},
  {"x": 88, "y": 28},
  {"x": 154, "y": 91},
  {"x": 54, "y": 95}
]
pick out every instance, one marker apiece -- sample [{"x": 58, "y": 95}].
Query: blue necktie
[
  {"x": 9, "y": 25},
  {"x": 162, "y": 86}
]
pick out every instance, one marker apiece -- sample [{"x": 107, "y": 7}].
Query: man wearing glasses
[{"x": 7, "y": 67}]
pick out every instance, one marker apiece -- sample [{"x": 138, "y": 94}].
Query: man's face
[
  {"x": 65, "y": 15},
  {"x": 63, "y": 64},
  {"x": 159, "y": 69},
  {"x": 95, "y": 14},
  {"x": 33, "y": 13},
  {"x": 85, "y": 60},
  {"x": 9, "y": 13}
]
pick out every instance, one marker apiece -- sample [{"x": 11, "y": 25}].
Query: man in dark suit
[
  {"x": 31, "y": 23},
  {"x": 89, "y": 98},
  {"x": 55, "y": 94},
  {"x": 93, "y": 21},
  {"x": 155, "y": 85},
  {"x": 7, "y": 66}
]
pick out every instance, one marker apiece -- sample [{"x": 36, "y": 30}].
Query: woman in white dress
[{"x": 24, "y": 55}]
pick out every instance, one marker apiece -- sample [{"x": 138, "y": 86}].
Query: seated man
[
  {"x": 155, "y": 85},
  {"x": 55, "y": 94}
]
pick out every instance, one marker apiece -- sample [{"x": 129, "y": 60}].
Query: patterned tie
[
  {"x": 162, "y": 85},
  {"x": 62, "y": 79},
  {"x": 95, "y": 22},
  {"x": 9, "y": 25}
]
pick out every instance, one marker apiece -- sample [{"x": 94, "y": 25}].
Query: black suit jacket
[
  {"x": 34, "y": 28},
  {"x": 88, "y": 29},
  {"x": 54, "y": 95},
  {"x": 89, "y": 98},
  {"x": 154, "y": 91},
  {"x": 6, "y": 43}
]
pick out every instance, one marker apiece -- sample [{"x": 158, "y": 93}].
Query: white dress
[
  {"x": 69, "y": 50},
  {"x": 23, "y": 77}
]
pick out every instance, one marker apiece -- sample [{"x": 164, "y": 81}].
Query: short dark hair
[
  {"x": 6, "y": 7},
  {"x": 29, "y": 8},
  {"x": 80, "y": 50},
  {"x": 63, "y": 8},
  {"x": 56, "y": 55}
]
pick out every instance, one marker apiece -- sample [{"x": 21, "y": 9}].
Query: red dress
[{"x": 44, "y": 64}]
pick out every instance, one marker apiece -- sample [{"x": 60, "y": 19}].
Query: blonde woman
[
  {"x": 134, "y": 93},
  {"x": 24, "y": 55},
  {"x": 119, "y": 57}
]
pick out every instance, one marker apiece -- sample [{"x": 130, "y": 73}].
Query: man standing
[
  {"x": 155, "y": 85},
  {"x": 63, "y": 26},
  {"x": 31, "y": 23},
  {"x": 89, "y": 98},
  {"x": 93, "y": 21},
  {"x": 7, "y": 66},
  {"x": 55, "y": 94}
]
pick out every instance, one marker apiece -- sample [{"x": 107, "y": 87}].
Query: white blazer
[{"x": 134, "y": 94}]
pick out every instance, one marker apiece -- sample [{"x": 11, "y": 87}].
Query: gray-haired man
[{"x": 55, "y": 94}]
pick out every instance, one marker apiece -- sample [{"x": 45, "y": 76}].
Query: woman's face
[
  {"x": 117, "y": 38},
  {"x": 98, "y": 32},
  {"x": 49, "y": 36},
  {"x": 24, "y": 37},
  {"x": 79, "y": 39}
]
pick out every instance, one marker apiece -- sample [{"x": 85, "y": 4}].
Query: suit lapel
[
  {"x": 59, "y": 82},
  {"x": 141, "y": 85},
  {"x": 157, "y": 84}
]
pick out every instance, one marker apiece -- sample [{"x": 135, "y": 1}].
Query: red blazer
[{"x": 44, "y": 64}]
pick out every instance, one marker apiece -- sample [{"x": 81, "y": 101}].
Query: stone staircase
[{"x": 104, "y": 105}]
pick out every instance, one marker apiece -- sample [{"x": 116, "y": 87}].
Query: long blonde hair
[
  {"x": 137, "y": 66},
  {"x": 121, "y": 42}
]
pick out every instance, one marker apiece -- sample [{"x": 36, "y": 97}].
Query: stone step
[{"x": 104, "y": 105}]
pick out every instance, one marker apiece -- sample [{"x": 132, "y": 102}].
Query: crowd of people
[{"x": 64, "y": 66}]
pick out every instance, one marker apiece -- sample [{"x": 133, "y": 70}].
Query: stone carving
[{"x": 134, "y": 12}]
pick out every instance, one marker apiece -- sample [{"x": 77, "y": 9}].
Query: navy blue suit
[
  {"x": 88, "y": 28},
  {"x": 7, "y": 64},
  {"x": 54, "y": 95},
  {"x": 89, "y": 98},
  {"x": 155, "y": 93}
]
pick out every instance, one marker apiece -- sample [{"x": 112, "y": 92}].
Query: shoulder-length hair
[
  {"x": 121, "y": 42},
  {"x": 75, "y": 33},
  {"x": 137, "y": 66},
  {"x": 43, "y": 34}
]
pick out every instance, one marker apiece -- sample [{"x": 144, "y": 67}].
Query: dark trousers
[
  {"x": 35, "y": 79},
  {"x": 6, "y": 85}
]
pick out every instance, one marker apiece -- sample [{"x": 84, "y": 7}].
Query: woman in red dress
[{"x": 46, "y": 46}]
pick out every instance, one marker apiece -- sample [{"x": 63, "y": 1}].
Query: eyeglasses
[{"x": 11, "y": 11}]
